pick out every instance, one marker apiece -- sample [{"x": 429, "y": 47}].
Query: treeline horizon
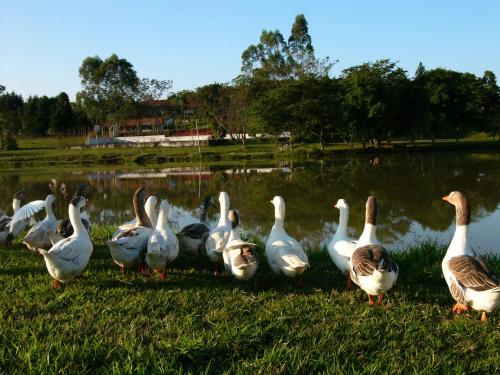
[{"x": 283, "y": 88}]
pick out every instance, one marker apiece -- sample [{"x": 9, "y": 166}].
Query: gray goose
[
  {"x": 372, "y": 267},
  {"x": 192, "y": 236},
  {"x": 471, "y": 281}
]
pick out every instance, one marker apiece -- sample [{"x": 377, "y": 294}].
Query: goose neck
[
  {"x": 234, "y": 235},
  {"x": 369, "y": 235},
  {"x": 16, "y": 205},
  {"x": 224, "y": 219},
  {"x": 458, "y": 244},
  {"x": 162, "y": 220},
  {"x": 76, "y": 220},
  {"x": 342, "y": 228},
  {"x": 50, "y": 213}
]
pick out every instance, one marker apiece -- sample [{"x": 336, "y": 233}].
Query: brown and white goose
[
  {"x": 372, "y": 267},
  {"x": 471, "y": 282},
  {"x": 128, "y": 246},
  {"x": 240, "y": 257}
]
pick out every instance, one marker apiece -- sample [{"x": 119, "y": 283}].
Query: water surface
[{"x": 408, "y": 188}]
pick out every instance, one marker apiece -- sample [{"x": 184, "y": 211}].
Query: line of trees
[
  {"x": 38, "y": 116},
  {"x": 284, "y": 87}
]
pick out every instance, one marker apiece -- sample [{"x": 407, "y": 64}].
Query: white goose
[
  {"x": 67, "y": 259},
  {"x": 284, "y": 254},
  {"x": 162, "y": 246},
  {"x": 127, "y": 247},
  {"x": 38, "y": 236},
  {"x": 7, "y": 230},
  {"x": 191, "y": 236},
  {"x": 371, "y": 265},
  {"x": 64, "y": 228},
  {"x": 239, "y": 256},
  {"x": 471, "y": 282},
  {"x": 341, "y": 247},
  {"x": 22, "y": 216},
  {"x": 217, "y": 238}
]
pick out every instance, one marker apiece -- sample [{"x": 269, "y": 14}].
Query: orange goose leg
[
  {"x": 122, "y": 270},
  {"x": 163, "y": 276},
  {"x": 460, "y": 308},
  {"x": 370, "y": 299},
  {"x": 380, "y": 296},
  {"x": 484, "y": 318},
  {"x": 55, "y": 284}
]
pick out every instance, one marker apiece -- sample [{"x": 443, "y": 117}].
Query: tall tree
[
  {"x": 109, "y": 86},
  {"x": 300, "y": 50},
  {"x": 62, "y": 118}
]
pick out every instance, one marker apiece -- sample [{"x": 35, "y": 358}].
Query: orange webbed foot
[{"x": 460, "y": 308}]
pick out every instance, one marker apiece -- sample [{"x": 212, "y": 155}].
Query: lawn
[{"x": 195, "y": 322}]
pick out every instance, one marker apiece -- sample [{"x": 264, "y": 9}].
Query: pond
[{"x": 408, "y": 188}]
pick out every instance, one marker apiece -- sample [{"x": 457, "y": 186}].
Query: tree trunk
[{"x": 321, "y": 145}]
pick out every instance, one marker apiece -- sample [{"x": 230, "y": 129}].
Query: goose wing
[
  {"x": 473, "y": 273},
  {"x": 55, "y": 237},
  {"x": 366, "y": 259},
  {"x": 4, "y": 223},
  {"x": 27, "y": 211},
  {"x": 65, "y": 249},
  {"x": 195, "y": 230}
]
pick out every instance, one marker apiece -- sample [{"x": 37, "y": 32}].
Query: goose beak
[
  {"x": 446, "y": 198},
  {"x": 271, "y": 202},
  {"x": 335, "y": 205}
]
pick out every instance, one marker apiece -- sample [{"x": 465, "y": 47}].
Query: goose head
[
  {"x": 208, "y": 201},
  {"x": 83, "y": 191},
  {"x": 20, "y": 196},
  {"x": 462, "y": 207},
  {"x": 50, "y": 199},
  {"x": 78, "y": 202},
  {"x": 164, "y": 207},
  {"x": 150, "y": 209},
  {"x": 151, "y": 204},
  {"x": 234, "y": 218},
  {"x": 279, "y": 207},
  {"x": 341, "y": 204},
  {"x": 140, "y": 196}
]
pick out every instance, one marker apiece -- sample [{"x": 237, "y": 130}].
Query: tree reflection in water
[{"x": 408, "y": 188}]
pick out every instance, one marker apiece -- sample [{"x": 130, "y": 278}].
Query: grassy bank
[
  {"x": 55, "y": 152},
  {"x": 196, "y": 322}
]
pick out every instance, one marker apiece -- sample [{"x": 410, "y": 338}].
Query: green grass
[{"x": 195, "y": 322}]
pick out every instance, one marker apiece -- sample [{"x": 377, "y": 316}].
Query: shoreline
[{"x": 31, "y": 158}]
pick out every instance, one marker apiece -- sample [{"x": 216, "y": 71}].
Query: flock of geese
[{"x": 147, "y": 242}]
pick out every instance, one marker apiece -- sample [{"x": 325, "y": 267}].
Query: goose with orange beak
[{"x": 471, "y": 282}]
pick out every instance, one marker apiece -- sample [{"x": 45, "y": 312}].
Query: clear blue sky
[{"x": 198, "y": 42}]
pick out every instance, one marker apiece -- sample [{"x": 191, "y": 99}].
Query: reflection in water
[{"x": 408, "y": 189}]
